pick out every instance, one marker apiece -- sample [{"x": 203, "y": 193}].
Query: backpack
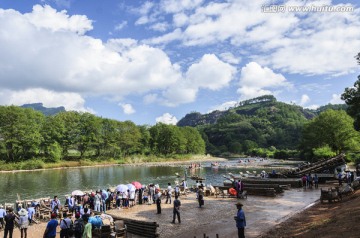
[{"x": 78, "y": 226}]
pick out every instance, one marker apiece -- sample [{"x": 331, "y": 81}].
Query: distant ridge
[
  {"x": 46, "y": 111},
  {"x": 266, "y": 104}
]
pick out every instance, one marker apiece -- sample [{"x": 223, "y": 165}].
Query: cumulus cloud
[
  {"x": 304, "y": 99},
  {"x": 46, "y": 17},
  {"x": 257, "y": 81},
  {"x": 336, "y": 99},
  {"x": 167, "y": 118},
  {"x": 209, "y": 73},
  {"x": 127, "y": 108},
  {"x": 71, "y": 101},
  {"x": 309, "y": 43},
  {"x": 58, "y": 56}
]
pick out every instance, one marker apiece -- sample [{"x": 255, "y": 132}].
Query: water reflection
[{"x": 45, "y": 183}]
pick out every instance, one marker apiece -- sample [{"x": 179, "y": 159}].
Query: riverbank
[
  {"x": 216, "y": 217},
  {"x": 33, "y": 165},
  {"x": 328, "y": 220}
]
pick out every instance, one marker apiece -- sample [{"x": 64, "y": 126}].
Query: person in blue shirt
[
  {"x": 31, "y": 213},
  {"x": 240, "y": 220},
  {"x": 50, "y": 231}
]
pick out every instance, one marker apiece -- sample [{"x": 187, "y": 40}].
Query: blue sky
[{"x": 150, "y": 61}]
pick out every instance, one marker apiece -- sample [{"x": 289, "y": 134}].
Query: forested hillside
[{"x": 261, "y": 122}]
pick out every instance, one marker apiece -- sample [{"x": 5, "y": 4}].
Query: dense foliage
[
  {"x": 331, "y": 133},
  {"x": 262, "y": 127},
  {"x": 26, "y": 134}
]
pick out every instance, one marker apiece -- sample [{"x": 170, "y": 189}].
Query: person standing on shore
[
  {"x": 176, "y": 211},
  {"x": 23, "y": 222},
  {"x": 240, "y": 220},
  {"x": 50, "y": 231},
  {"x": 55, "y": 205},
  {"x": 9, "y": 226},
  {"x": 31, "y": 213},
  {"x": 2, "y": 215},
  {"x": 316, "y": 181},
  {"x": 158, "y": 200},
  {"x": 168, "y": 193},
  {"x": 88, "y": 228},
  {"x": 65, "y": 226}
]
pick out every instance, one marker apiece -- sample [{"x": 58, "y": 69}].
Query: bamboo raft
[{"x": 293, "y": 182}]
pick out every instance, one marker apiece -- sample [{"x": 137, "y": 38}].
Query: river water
[{"x": 47, "y": 183}]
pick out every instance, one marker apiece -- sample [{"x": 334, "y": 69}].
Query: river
[{"x": 47, "y": 183}]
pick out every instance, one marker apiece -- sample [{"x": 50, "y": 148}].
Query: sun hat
[
  {"x": 239, "y": 204},
  {"x": 23, "y": 212}
]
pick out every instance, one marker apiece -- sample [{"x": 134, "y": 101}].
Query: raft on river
[{"x": 293, "y": 182}]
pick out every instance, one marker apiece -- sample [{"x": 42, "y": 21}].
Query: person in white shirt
[
  {"x": 55, "y": 205},
  {"x": 71, "y": 203},
  {"x": 168, "y": 193},
  {"x": 132, "y": 198}
]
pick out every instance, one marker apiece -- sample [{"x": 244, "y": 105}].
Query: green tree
[
  {"x": 89, "y": 132},
  {"x": 351, "y": 96},
  {"x": 333, "y": 129},
  {"x": 52, "y": 132},
  {"x": 108, "y": 139},
  {"x": 71, "y": 132},
  {"x": 20, "y": 132},
  {"x": 128, "y": 138}
]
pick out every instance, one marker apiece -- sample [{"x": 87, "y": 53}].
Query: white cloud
[
  {"x": 71, "y": 101},
  {"x": 167, "y": 118},
  {"x": 336, "y": 99},
  {"x": 313, "y": 107},
  {"x": 223, "y": 107},
  {"x": 127, "y": 108},
  {"x": 46, "y": 17},
  {"x": 171, "y": 6},
  {"x": 257, "y": 81},
  {"x": 230, "y": 58},
  {"x": 150, "y": 98},
  {"x": 58, "y": 57},
  {"x": 160, "y": 26},
  {"x": 309, "y": 43},
  {"x": 304, "y": 99},
  {"x": 120, "y": 26},
  {"x": 209, "y": 73}
]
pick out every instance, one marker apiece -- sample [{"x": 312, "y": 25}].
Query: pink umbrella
[{"x": 136, "y": 184}]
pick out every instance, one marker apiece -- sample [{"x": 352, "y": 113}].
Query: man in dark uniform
[
  {"x": 176, "y": 211},
  {"x": 9, "y": 226}
]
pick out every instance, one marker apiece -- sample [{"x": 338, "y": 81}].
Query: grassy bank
[{"x": 41, "y": 164}]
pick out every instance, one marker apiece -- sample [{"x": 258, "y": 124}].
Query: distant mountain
[
  {"x": 260, "y": 122},
  {"x": 251, "y": 108},
  {"x": 46, "y": 111}
]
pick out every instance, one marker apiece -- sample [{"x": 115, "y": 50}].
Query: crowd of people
[{"x": 79, "y": 218}]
